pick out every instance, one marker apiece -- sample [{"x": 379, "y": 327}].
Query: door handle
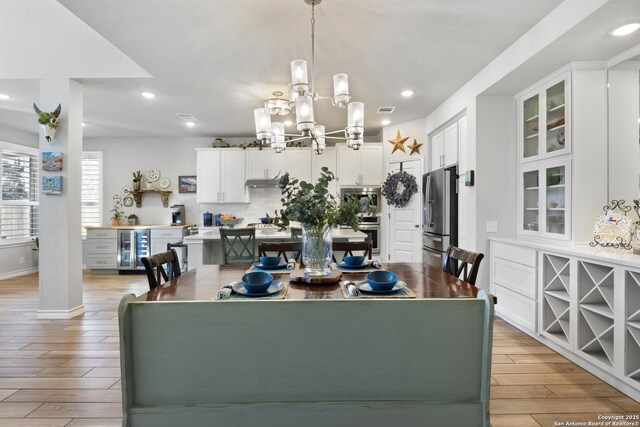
[{"x": 416, "y": 226}]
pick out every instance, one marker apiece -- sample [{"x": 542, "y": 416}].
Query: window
[
  {"x": 91, "y": 189},
  {"x": 19, "y": 202}
]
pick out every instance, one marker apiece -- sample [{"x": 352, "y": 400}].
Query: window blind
[
  {"x": 91, "y": 189},
  {"x": 19, "y": 203}
]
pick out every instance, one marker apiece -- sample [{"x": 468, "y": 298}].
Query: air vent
[
  {"x": 385, "y": 110},
  {"x": 187, "y": 117}
]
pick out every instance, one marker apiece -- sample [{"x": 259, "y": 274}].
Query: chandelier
[{"x": 301, "y": 100}]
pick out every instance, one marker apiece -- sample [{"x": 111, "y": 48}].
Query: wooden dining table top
[{"x": 202, "y": 283}]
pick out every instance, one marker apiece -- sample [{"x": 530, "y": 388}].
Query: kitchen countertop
[
  {"x": 135, "y": 227},
  {"x": 213, "y": 233}
]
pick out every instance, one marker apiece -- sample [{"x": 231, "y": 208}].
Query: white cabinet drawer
[
  {"x": 515, "y": 308},
  {"x": 167, "y": 233},
  {"x": 519, "y": 254},
  {"x": 515, "y": 277},
  {"x": 102, "y": 246},
  {"x": 102, "y": 234},
  {"x": 97, "y": 262}
]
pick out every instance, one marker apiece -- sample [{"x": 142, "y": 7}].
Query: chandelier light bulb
[
  {"x": 341, "y": 90},
  {"x": 304, "y": 113},
  {"x": 355, "y": 124},
  {"x": 319, "y": 143},
  {"x": 263, "y": 124},
  {"x": 278, "y": 142},
  {"x": 299, "y": 77}
]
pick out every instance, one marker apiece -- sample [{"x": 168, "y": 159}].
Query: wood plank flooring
[{"x": 66, "y": 372}]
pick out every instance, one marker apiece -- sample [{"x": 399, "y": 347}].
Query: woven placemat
[
  {"x": 402, "y": 293},
  {"x": 358, "y": 270},
  {"x": 279, "y": 295}
]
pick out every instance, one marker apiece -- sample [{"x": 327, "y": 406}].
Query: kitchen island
[{"x": 205, "y": 247}]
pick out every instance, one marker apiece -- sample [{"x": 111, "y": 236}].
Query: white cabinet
[
  {"x": 446, "y": 143},
  {"x": 297, "y": 163},
  {"x": 360, "y": 167},
  {"x": 264, "y": 164},
  {"x": 161, "y": 237},
  {"x": 102, "y": 249},
  {"x": 328, "y": 159},
  {"x": 221, "y": 174}
]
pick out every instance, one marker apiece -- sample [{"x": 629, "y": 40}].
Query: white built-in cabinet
[
  {"x": 221, "y": 175},
  {"x": 445, "y": 144},
  {"x": 582, "y": 305},
  {"x": 161, "y": 237},
  {"x": 360, "y": 167},
  {"x": 328, "y": 159},
  {"x": 264, "y": 164},
  {"x": 297, "y": 162}
]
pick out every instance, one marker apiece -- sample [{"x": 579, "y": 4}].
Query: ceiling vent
[
  {"x": 385, "y": 110},
  {"x": 187, "y": 117}
]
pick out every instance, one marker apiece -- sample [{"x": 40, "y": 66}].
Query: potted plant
[
  {"x": 137, "y": 177},
  {"x": 318, "y": 212},
  {"x": 118, "y": 213}
]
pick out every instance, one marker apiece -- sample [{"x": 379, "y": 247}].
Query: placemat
[
  {"x": 226, "y": 290},
  {"x": 283, "y": 270},
  {"x": 402, "y": 293},
  {"x": 374, "y": 267}
]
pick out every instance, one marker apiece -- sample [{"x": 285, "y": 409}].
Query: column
[{"x": 60, "y": 215}]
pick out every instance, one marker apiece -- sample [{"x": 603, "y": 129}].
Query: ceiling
[{"x": 218, "y": 60}]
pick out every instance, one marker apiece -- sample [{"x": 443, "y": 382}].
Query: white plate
[
  {"x": 126, "y": 190},
  {"x": 153, "y": 175},
  {"x": 127, "y": 201},
  {"x": 275, "y": 286},
  {"x": 164, "y": 183},
  {"x": 367, "y": 288}
]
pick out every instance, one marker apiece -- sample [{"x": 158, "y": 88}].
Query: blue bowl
[
  {"x": 266, "y": 220},
  {"x": 269, "y": 261},
  {"x": 382, "y": 280},
  {"x": 257, "y": 282},
  {"x": 353, "y": 260}
]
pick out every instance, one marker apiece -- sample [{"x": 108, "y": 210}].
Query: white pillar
[{"x": 60, "y": 263}]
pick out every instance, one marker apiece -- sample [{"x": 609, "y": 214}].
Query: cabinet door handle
[
  {"x": 223, "y": 196},
  {"x": 218, "y": 197}
]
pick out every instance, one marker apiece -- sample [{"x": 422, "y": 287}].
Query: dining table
[{"x": 202, "y": 283}]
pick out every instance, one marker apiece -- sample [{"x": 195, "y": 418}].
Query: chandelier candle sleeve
[
  {"x": 319, "y": 143},
  {"x": 279, "y": 143},
  {"x": 355, "y": 124},
  {"x": 304, "y": 113},
  {"x": 299, "y": 76},
  {"x": 263, "y": 123},
  {"x": 341, "y": 90}
]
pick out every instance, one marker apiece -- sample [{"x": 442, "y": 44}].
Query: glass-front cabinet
[
  {"x": 543, "y": 116},
  {"x": 545, "y": 199}
]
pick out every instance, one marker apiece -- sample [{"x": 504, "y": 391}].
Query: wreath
[{"x": 390, "y": 189}]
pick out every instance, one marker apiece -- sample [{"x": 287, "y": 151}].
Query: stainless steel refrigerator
[{"x": 440, "y": 214}]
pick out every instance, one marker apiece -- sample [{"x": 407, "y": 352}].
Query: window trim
[{"x": 96, "y": 155}]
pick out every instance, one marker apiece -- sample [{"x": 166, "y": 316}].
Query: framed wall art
[
  {"x": 51, "y": 161},
  {"x": 187, "y": 184},
  {"x": 52, "y": 185}
]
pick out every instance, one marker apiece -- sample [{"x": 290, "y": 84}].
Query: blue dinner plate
[
  {"x": 275, "y": 287},
  {"x": 354, "y": 267},
  {"x": 259, "y": 265},
  {"x": 364, "y": 286}
]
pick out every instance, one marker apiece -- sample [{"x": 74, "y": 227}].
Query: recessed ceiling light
[
  {"x": 625, "y": 29},
  {"x": 385, "y": 122},
  {"x": 4, "y": 97},
  {"x": 148, "y": 95},
  {"x": 189, "y": 124},
  {"x": 406, "y": 93},
  {"x": 288, "y": 122}
]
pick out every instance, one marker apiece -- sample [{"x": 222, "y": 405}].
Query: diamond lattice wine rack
[
  {"x": 632, "y": 329},
  {"x": 595, "y": 308},
  {"x": 555, "y": 298}
]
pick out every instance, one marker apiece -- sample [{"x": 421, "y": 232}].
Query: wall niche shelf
[{"x": 164, "y": 195}]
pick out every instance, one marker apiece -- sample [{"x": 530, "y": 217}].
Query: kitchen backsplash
[{"x": 263, "y": 200}]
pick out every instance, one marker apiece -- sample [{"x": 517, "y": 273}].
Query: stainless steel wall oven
[{"x": 369, "y": 224}]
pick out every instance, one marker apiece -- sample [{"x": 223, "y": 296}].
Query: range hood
[{"x": 257, "y": 183}]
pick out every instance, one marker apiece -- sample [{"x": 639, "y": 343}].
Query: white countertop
[
  {"x": 213, "y": 233},
  {"x": 623, "y": 257},
  {"x": 134, "y": 227}
]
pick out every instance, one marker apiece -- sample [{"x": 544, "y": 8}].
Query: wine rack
[
  {"x": 632, "y": 329},
  {"x": 556, "y": 308}
]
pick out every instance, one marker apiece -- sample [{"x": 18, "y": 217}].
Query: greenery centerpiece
[{"x": 318, "y": 211}]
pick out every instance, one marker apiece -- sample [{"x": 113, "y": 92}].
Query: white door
[
  {"x": 451, "y": 145},
  {"x": 208, "y": 177},
  {"x": 371, "y": 166},
  {"x": 348, "y": 166},
  {"x": 405, "y": 224},
  {"x": 233, "y": 176},
  {"x": 326, "y": 159},
  {"x": 437, "y": 150}
]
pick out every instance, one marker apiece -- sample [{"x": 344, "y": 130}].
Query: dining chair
[
  {"x": 294, "y": 248},
  {"x": 349, "y": 247},
  {"x": 296, "y": 233},
  {"x": 459, "y": 261},
  {"x": 238, "y": 245},
  {"x": 154, "y": 266}
]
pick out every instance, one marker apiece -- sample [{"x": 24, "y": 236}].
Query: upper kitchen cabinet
[
  {"x": 445, "y": 144},
  {"x": 328, "y": 159},
  {"x": 297, "y": 162},
  {"x": 544, "y": 120},
  {"x": 264, "y": 164},
  {"x": 221, "y": 174},
  {"x": 360, "y": 167}
]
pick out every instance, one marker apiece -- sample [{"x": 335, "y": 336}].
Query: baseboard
[
  {"x": 60, "y": 314},
  {"x": 18, "y": 273}
]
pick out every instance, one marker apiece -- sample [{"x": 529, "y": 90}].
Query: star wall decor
[
  {"x": 398, "y": 143},
  {"x": 415, "y": 147}
]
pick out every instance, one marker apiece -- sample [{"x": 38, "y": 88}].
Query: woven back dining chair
[
  {"x": 154, "y": 267},
  {"x": 286, "y": 250},
  {"x": 460, "y": 262},
  {"x": 238, "y": 245},
  {"x": 348, "y": 248}
]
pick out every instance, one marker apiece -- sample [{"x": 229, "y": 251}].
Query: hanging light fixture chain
[{"x": 313, "y": 45}]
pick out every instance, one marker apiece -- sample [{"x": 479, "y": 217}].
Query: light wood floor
[{"x": 66, "y": 372}]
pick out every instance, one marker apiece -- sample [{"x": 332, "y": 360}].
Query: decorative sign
[{"x": 613, "y": 229}]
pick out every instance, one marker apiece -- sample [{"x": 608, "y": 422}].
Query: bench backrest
[{"x": 350, "y": 352}]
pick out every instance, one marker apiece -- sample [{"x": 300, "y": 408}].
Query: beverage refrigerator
[
  {"x": 132, "y": 246},
  {"x": 440, "y": 214}
]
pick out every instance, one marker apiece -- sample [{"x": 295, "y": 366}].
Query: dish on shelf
[
  {"x": 555, "y": 123},
  {"x": 164, "y": 183},
  {"x": 127, "y": 201},
  {"x": 126, "y": 190},
  {"x": 153, "y": 175}
]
